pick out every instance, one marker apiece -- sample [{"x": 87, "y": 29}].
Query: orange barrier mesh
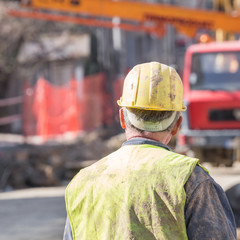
[{"x": 80, "y": 105}]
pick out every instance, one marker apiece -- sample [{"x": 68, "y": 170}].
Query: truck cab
[{"x": 211, "y": 79}]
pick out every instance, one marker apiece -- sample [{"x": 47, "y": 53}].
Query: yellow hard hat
[{"x": 153, "y": 86}]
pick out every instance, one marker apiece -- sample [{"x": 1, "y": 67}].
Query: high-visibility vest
[{"x": 135, "y": 193}]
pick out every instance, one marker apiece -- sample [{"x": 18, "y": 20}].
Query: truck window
[{"x": 215, "y": 71}]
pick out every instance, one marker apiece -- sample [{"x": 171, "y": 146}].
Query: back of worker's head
[
  {"x": 152, "y": 97},
  {"x": 150, "y": 120}
]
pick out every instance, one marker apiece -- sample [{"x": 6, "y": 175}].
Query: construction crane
[
  {"x": 228, "y": 7},
  {"x": 135, "y": 16}
]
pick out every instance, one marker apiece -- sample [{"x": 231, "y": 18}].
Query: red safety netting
[{"x": 51, "y": 110}]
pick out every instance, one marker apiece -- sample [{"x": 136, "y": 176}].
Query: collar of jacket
[{"x": 138, "y": 141}]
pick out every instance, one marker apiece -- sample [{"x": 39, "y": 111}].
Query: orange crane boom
[{"x": 149, "y": 16}]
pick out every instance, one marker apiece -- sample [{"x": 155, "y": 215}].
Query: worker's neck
[{"x": 163, "y": 137}]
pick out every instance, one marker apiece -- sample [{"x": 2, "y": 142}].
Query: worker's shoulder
[
  {"x": 87, "y": 176},
  {"x": 94, "y": 169},
  {"x": 180, "y": 159},
  {"x": 198, "y": 177}
]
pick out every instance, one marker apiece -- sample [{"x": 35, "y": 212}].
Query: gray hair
[{"x": 149, "y": 116}]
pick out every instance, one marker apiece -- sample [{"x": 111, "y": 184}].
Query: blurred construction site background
[{"x": 62, "y": 65}]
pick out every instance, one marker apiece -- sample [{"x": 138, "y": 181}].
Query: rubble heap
[{"x": 49, "y": 164}]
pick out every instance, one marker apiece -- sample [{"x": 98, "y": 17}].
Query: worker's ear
[
  {"x": 177, "y": 126},
  {"x": 121, "y": 117}
]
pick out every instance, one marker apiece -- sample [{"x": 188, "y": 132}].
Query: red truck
[{"x": 211, "y": 79}]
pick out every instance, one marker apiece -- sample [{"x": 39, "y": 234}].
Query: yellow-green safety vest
[{"x": 135, "y": 193}]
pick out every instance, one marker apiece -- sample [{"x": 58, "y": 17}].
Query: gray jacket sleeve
[
  {"x": 67, "y": 231},
  {"x": 208, "y": 214}
]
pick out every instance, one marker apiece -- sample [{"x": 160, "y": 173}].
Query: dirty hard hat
[{"x": 153, "y": 86}]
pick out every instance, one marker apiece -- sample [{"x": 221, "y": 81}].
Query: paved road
[
  {"x": 39, "y": 214},
  {"x": 32, "y": 214}
]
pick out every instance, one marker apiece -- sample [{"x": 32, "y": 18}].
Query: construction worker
[{"x": 144, "y": 191}]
